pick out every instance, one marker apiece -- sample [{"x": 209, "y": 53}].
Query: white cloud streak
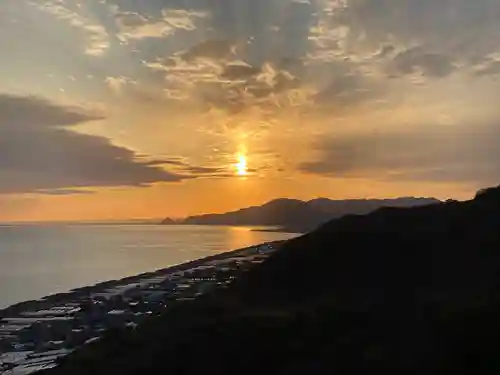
[
  {"x": 135, "y": 26},
  {"x": 96, "y": 37}
]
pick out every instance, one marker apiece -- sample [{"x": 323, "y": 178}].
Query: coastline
[
  {"x": 41, "y": 260},
  {"x": 155, "y": 273},
  {"x": 279, "y": 230},
  {"x": 35, "y": 334}
]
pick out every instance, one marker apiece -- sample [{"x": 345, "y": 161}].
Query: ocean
[{"x": 39, "y": 260}]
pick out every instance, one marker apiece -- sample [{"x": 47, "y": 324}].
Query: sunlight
[{"x": 242, "y": 165}]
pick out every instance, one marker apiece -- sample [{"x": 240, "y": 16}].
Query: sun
[{"x": 242, "y": 165}]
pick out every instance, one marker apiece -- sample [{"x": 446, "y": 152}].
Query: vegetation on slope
[{"x": 401, "y": 290}]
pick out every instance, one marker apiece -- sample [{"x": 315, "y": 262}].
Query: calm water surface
[{"x": 38, "y": 260}]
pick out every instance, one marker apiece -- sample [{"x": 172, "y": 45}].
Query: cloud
[
  {"x": 188, "y": 169},
  {"x": 385, "y": 50},
  {"x": 182, "y": 19},
  {"x": 137, "y": 26},
  {"x": 266, "y": 58},
  {"x": 26, "y": 113},
  {"x": 244, "y": 61},
  {"x": 211, "y": 73},
  {"x": 490, "y": 68},
  {"x": 458, "y": 27},
  {"x": 430, "y": 153},
  {"x": 118, "y": 84},
  {"x": 97, "y": 39},
  {"x": 39, "y": 152},
  {"x": 417, "y": 60},
  {"x": 347, "y": 89},
  {"x": 217, "y": 49},
  {"x": 59, "y": 192},
  {"x": 246, "y": 58}
]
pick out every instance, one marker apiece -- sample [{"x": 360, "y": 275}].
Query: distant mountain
[{"x": 299, "y": 216}]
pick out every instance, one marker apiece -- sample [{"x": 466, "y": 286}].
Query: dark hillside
[{"x": 401, "y": 290}]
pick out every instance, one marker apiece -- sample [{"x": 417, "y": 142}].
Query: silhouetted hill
[
  {"x": 299, "y": 216},
  {"x": 397, "y": 291}
]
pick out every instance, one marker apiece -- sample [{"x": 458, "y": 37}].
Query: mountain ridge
[{"x": 296, "y": 215}]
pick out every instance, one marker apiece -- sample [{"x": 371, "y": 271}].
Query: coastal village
[{"x": 35, "y": 335}]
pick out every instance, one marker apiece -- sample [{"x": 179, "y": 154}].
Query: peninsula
[{"x": 296, "y": 216}]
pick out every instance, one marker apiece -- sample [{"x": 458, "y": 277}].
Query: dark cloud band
[{"x": 38, "y": 153}]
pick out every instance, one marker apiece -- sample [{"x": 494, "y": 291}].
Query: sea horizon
[{"x": 83, "y": 222}]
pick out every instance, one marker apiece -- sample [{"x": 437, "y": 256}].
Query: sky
[{"x": 113, "y": 109}]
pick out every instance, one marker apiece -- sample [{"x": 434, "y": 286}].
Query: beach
[{"x": 34, "y": 335}]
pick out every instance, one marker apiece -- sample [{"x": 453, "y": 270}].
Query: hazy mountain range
[{"x": 299, "y": 216}]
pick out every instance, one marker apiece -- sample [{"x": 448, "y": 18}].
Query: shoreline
[
  {"x": 36, "y": 334},
  {"x": 280, "y": 230},
  {"x": 150, "y": 274}
]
